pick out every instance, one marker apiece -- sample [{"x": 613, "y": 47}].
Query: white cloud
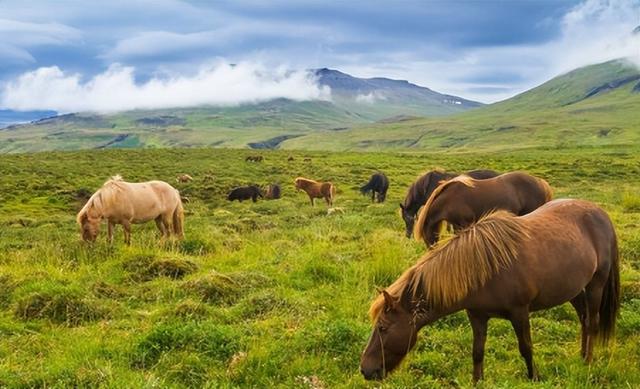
[
  {"x": 26, "y": 34},
  {"x": 370, "y": 98},
  {"x": 116, "y": 90}
]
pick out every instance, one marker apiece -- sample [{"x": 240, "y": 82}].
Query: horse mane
[
  {"x": 460, "y": 265},
  {"x": 305, "y": 180},
  {"x": 424, "y": 212},
  {"x": 421, "y": 182},
  {"x": 101, "y": 197}
]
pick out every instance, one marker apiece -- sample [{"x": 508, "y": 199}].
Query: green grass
[{"x": 272, "y": 294}]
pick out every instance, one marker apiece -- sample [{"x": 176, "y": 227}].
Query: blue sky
[{"x": 484, "y": 50}]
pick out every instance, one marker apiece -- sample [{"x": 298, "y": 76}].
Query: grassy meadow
[{"x": 271, "y": 294}]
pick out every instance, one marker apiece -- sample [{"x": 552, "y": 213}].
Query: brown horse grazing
[
  {"x": 504, "y": 266},
  {"x": 463, "y": 200},
  {"x": 317, "y": 189},
  {"x": 422, "y": 188},
  {"x": 121, "y": 202},
  {"x": 254, "y": 158}
]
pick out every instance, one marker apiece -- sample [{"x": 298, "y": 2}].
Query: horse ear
[{"x": 389, "y": 302}]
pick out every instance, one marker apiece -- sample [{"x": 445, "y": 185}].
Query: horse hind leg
[
  {"x": 160, "y": 226},
  {"x": 593, "y": 300},
  {"x": 580, "y": 305},
  {"x": 126, "y": 226},
  {"x": 167, "y": 223}
]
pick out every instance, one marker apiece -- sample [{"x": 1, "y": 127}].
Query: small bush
[{"x": 61, "y": 305}]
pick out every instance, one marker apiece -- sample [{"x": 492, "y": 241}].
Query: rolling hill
[
  {"x": 593, "y": 105},
  {"x": 355, "y": 101}
]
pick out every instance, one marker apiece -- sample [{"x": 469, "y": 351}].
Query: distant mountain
[
  {"x": 387, "y": 90},
  {"x": 593, "y": 105},
  {"x": 354, "y": 101}
]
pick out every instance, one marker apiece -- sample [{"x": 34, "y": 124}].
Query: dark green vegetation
[
  {"x": 272, "y": 294},
  {"x": 594, "y": 105}
]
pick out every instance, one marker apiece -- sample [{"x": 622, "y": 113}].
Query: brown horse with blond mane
[
  {"x": 504, "y": 266},
  {"x": 121, "y": 202},
  {"x": 316, "y": 189},
  {"x": 463, "y": 200}
]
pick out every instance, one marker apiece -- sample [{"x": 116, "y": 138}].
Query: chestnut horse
[
  {"x": 317, "y": 189},
  {"x": 463, "y": 200},
  {"x": 504, "y": 266},
  {"x": 121, "y": 202},
  {"x": 421, "y": 189}
]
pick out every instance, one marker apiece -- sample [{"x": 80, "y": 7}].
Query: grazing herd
[{"x": 513, "y": 251}]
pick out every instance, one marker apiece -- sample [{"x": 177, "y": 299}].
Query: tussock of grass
[
  {"x": 192, "y": 310},
  {"x": 147, "y": 267},
  {"x": 214, "y": 342},
  {"x": 62, "y": 305},
  {"x": 215, "y": 288},
  {"x": 631, "y": 202}
]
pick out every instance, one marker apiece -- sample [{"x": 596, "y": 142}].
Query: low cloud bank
[{"x": 115, "y": 90}]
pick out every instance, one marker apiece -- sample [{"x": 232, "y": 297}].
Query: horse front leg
[
  {"x": 520, "y": 322},
  {"x": 126, "y": 226},
  {"x": 110, "y": 231},
  {"x": 311, "y": 198},
  {"x": 479, "y": 326}
]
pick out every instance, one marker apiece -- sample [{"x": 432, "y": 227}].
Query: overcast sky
[{"x": 77, "y": 55}]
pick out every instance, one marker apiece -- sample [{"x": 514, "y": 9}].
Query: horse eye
[{"x": 382, "y": 329}]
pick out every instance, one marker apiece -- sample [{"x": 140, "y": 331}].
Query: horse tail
[
  {"x": 332, "y": 192},
  {"x": 610, "y": 304},
  {"x": 548, "y": 191},
  {"x": 419, "y": 231},
  {"x": 178, "y": 219}
]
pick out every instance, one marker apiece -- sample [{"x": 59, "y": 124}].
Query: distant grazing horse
[
  {"x": 422, "y": 188},
  {"x": 317, "y": 189},
  {"x": 504, "y": 266},
  {"x": 463, "y": 200},
  {"x": 290, "y": 158},
  {"x": 254, "y": 158},
  {"x": 273, "y": 192},
  {"x": 307, "y": 160},
  {"x": 245, "y": 193},
  {"x": 127, "y": 203},
  {"x": 378, "y": 183},
  {"x": 183, "y": 178}
]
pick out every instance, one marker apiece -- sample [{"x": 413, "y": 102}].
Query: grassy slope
[
  {"x": 551, "y": 115},
  {"x": 290, "y": 310}
]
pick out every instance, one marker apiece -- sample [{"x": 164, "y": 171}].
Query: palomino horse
[
  {"x": 421, "y": 190},
  {"x": 504, "y": 266},
  {"x": 463, "y": 200},
  {"x": 121, "y": 202},
  {"x": 317, "y": 189}
]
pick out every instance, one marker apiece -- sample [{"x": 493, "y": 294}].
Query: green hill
[{"x": 593, "y": 105}]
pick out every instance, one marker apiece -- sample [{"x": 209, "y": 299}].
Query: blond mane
[
  {"x": 424, "y": 211},
  {"x": 103, "y": 196},
  {"x": 460, "y": 265}
]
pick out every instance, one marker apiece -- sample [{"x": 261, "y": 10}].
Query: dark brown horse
[
  {"x": 504, "y": 266},
  {"x": 378, "y": 183},
  {"x": 422, "y": 188},
  {"x": 463, "y": 200},
  {"x": 316, "y": 189}
]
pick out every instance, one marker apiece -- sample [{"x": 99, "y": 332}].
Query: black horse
[
  {"x": 245, "y": 193},
  {"x": 378, "y": 183},
  {"x": 422, "y": 188},
  {"x": 273, "y": 192}
]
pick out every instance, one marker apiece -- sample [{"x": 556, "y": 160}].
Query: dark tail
[{"x": 610, "y": 304}]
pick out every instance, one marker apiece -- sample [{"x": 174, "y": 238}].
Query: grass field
[{"x": 272, "y": 294}]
